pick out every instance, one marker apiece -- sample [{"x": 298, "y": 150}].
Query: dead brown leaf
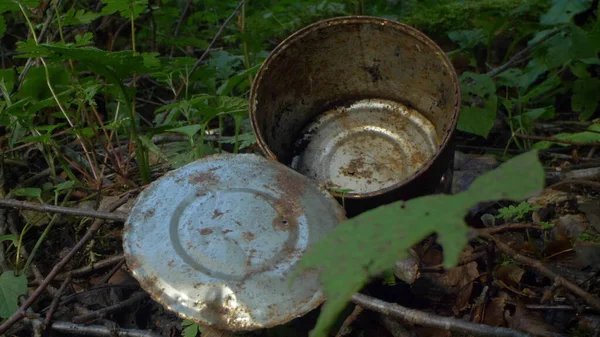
[
  {"x": 510, "y": 274},
  {"x": 494, "y": 312},
  {"x": 591, "y": 208}
]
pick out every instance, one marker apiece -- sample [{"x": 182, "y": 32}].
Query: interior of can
[{"x": 341, "y": 61}]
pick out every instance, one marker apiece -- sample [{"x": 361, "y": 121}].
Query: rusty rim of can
[
  {"x": 298, "y": 35},
  {"x": 216, "y": 240}
]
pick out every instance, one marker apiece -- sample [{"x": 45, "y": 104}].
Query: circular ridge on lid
[{"x": 216, "y": 241}]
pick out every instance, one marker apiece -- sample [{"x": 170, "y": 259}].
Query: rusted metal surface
[
  {"x": 215, "y": 241},
  {"x": 333, "y": 68},
  {"x": 367, "y": 146}
]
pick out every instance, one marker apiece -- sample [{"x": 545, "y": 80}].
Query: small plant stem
[
  {"x": 238, "y": 122},
  {"x": 62, "y": 109},
  {"x": 21, "y": 312},
  {"x": 245, "y": 43},
  {"x": 220, "y": 133},
  {"x": 141, "y": 153},
  {"x": 44, "y": 234},
  {"x": 556, "y": 140},
  {"x": 59, "y": 21},
  {"x": 202, "y": 132},
  {"x": 203, "y": 56}
]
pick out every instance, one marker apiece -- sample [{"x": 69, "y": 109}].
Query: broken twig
[
  {"x": 104, "y": 311},
  {"x": 20, "y": 314},
  {"x": 430, "y": 320},
  {"x": 538, "y": 266},
  {"x": 114, "y": 216},
  {"x": 209, "y": 48}
]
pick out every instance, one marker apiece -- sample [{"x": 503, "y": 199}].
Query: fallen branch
[
  {"x": 56, "y": 299},
  {"x": 590, "y": 299},
  {"x": 509, "y": 227},
  {"x": 208, "y": 49},
  {"x": 589, "y": 183},
  {"x": 556, "y": 140},
  {"x": 98, "y": 330},
  {"x": 433, "y": 321},
  {"x": 104, "y": 311},
  {"x": 109, "y": 262},
  {"x": 21, "y": 312},
  {"x": 114, "y": 216}
]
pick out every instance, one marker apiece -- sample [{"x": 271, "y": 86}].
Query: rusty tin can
[
  {"x": 365, "y": 106},
  {"x": 216, "y": 241}
]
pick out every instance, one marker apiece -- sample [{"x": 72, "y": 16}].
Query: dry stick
[
  {"x": 556, "y": 140},
  {"x": 56, "y": 299},
  {"x": 430, "y": 320},
  {"x": 93, "y": 267},
  {"x": 577, "y": 182},
  {"x": 104, "y": 311},
  {"x": 590, "y": 299},
  {"x": 112, "y": 272},
  {"x": 183, "y": 16},
  {"x": 520, "y": 55},
  {"x": 20, "y": 314},
  {"x": 509, "y": 227},
  {"x": 98, "y": 330},
  {"x": 114, "y": 216},
  {"x": 208, "y": 49}
]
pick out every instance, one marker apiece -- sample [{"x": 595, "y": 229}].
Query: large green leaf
[
  {"x": 13, "y": 5},
  {"x": 563, "y": 10},
  {"x": 121, "y": 64},
  {"x": 467, "y": 39},
  {"x": 11, "y": 287},
  {"x": 78, "y": 17},
  {"x": 365, "y": 246},
  {"x": 126, "y": 8},
  {"x": 585, "y": 97},
  {"x": 591, "y": 136},
  {"x": 479, "y": 106}
]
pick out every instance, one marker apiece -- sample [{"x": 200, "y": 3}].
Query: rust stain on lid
[{"x": 220, "y": 248}]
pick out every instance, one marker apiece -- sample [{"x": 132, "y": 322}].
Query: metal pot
[{"x": 365, "y": 106}]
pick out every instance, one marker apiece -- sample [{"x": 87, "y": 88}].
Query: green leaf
[
  {"x": 67, "y": 185},
  {"x": 11, "y": 287},
  {"x": 366, "y": 245},
  {"x": 126, "y": 8},
  {"x": 563, "y": 10},
  {"x": 120, "y": 64},
  {"x": 516, "y": 213},
  {"x": 585, "y": 97},
  {"x": 244, "y": 139},
  {"x": 579, "y": 69},
  {"x": 78, "y": 17},
  {"x": 9, "y": 237},
  {"x": 479, "y": 106},
  {"x": 13, "y": 5},
  {"x": 191, "y": 329},
  {"x": 476, "y": 120},
  {"x": 467, "y": 39},
  {"x": 188, "y": 130},
  {"x": 583, "y": 137},
  {"x": 32, "y": 192},
  {"x": 152, "y": 147}
]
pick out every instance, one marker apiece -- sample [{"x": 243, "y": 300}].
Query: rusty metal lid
[{"x": 216, "y": 241}]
